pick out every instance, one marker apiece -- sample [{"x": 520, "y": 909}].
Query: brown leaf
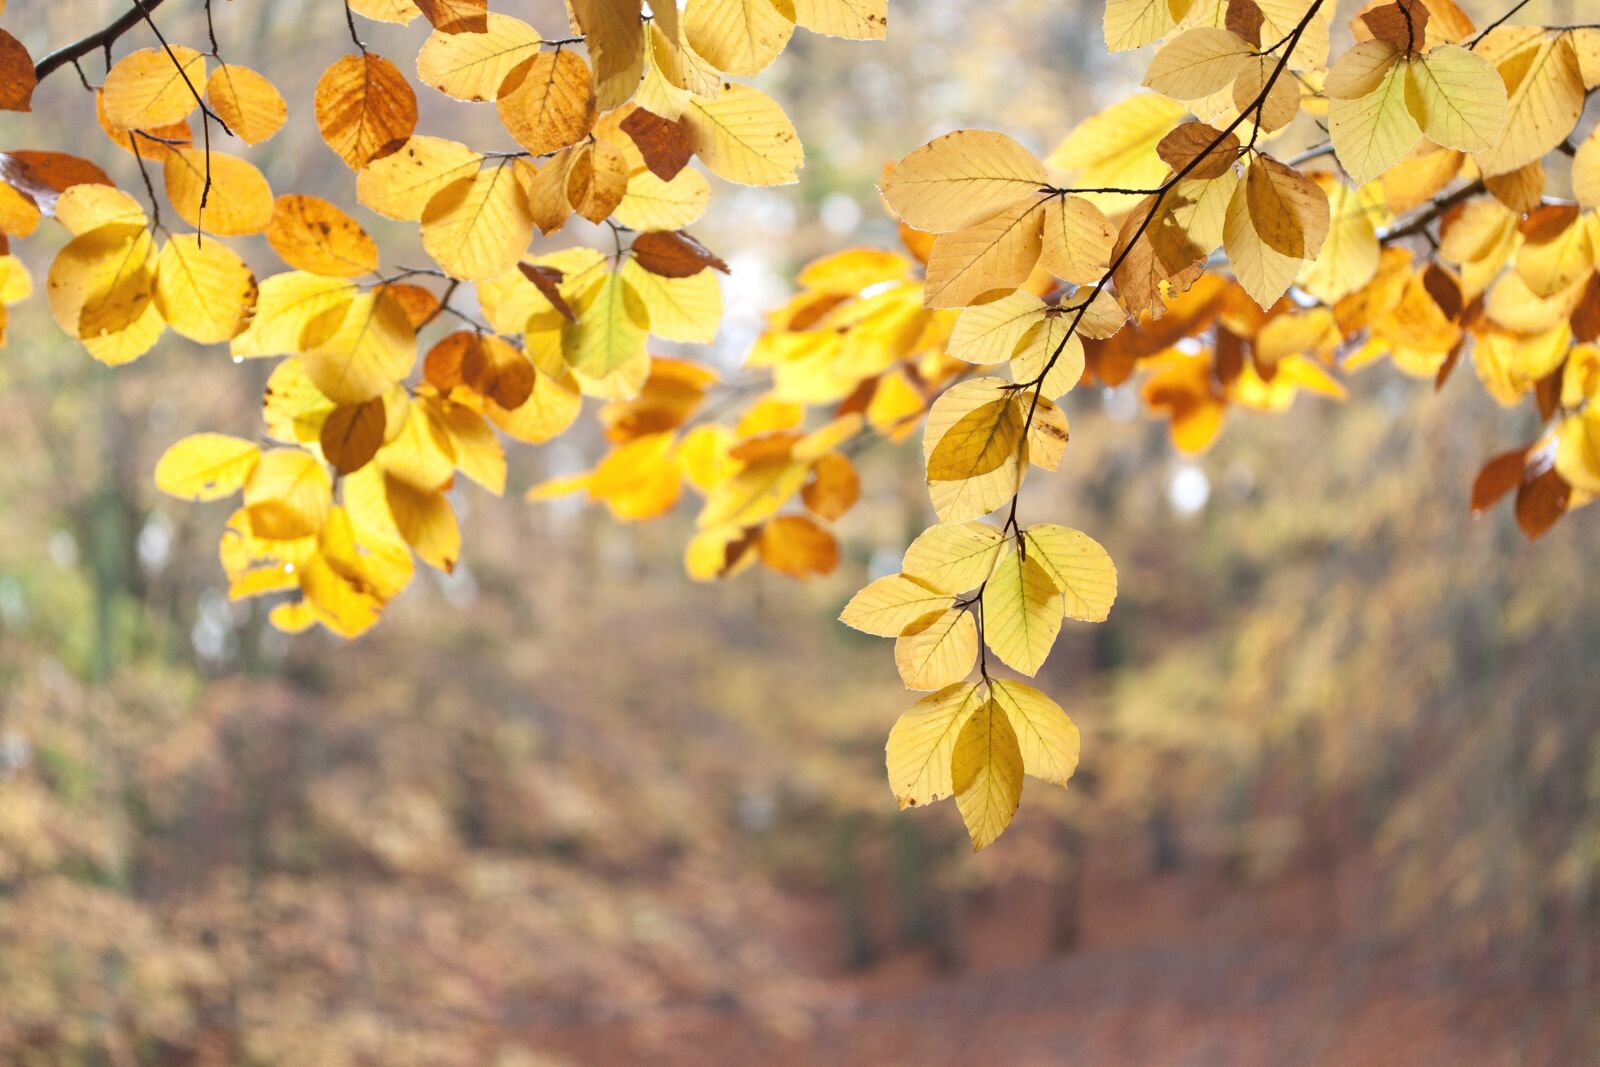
[
  {"x": 674, "y": 254},
  {"x": 1244, "y": 18},
  {"x": 365, "y": 108},
  {"x": 664, "y": 143},
  {"x": 1228, "y": 359},
  {"x": 1161, "y": 251},
  {"x": 16, "y": 75},
  {"x": 548, "y": 281},
  {"x": 46, "y": 175},
  {"x": 1194, "y": 141},
  {"x": 1547, "y": 392},
  {"x": 1498, "y": 477},
  {"x": 1586, "y": 316},
  {"x": 1444, "y": 288},
  {"x": 1447, "y": 368},
  {"x": 352, "y": 433},
  {"x": 547, "y": 101},
  {"x": 456, "y": 16},
  {"x": 1401, "y": 24},
  {"x": 1540, "y": 502},
  {"x": 1290, "y": 211},
  {"x": 488, "y": 365},
  {"x": 1546, "y": 223},
  {"x": 597, "y": 180}
]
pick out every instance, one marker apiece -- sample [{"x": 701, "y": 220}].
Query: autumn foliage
[{"x": 1279, "y": 211}]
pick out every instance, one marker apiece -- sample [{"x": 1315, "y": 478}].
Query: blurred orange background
[{"x": 1340, "y": 793}]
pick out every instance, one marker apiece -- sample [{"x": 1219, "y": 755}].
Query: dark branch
[{"x": 101, "y": 39}]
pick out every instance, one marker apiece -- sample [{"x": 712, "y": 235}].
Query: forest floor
[{"x": 1181, "y": 970}]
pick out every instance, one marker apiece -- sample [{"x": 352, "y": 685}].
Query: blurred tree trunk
[{"x": 1066, "y": 927}]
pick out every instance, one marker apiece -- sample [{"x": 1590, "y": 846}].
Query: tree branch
[{"x": 100, "y": 39}]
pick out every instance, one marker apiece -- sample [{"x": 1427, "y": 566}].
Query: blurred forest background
[{"x": 1340, "y": 795}]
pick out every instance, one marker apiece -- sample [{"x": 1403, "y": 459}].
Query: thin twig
[{"x": 1497, "y": 23}]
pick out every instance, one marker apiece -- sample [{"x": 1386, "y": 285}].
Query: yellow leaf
[
  {"x": 640, "y": 479},
  {"x": 742, "y": 135},
  {"x": 990, "y": 333},
  {"x": 853, "y": 270},
  {"x": 653, "y": 204},
  {"x": 957, "y": 499},
  {"x": 478, "y": 227},
  {"x": 206, "y": 466},
  {"x": 550, "y": 409},
  {"x": 16, "y": 284},
  {"x": 358, "y": 349},
  {"x": 399, "y": 11},
  {"x": 1046, "y": 737},
  {"x": 861, "y": 20},
  {"x": 147, "y": 88},
  {"x": 422, "y": 454},
  {"x": 287, "y": 495},
  {"x": 203, "y": 289},
  {"x": 1545, "y": 84},
  {"x": 922, "y": 744},
  {"x": 678, "y": 309},
  {"x": 1457, "y": 98},
  {"x": 399, "y": 185},
  {"x": 292, "y": 616},
  {"x": 285, "y": 304},
  {"x": 973, "y": 429},
  {"x": 739, "y": 36},
  {"x": 953, "y": 558},
  {"x": 426, "y": 522},
  {"x": 1586, "y": 171},
  {"x": 81, "y": 208},
  {"x": 1021, "y": 612},
  {"x": 1078, "y": 566},
  {"x": 1117, "y": 147},
  {"x": 1263, "y": 271},
  {"x": 256, "y": 564},
  {"x": 1134, "y": 23},
  {"x": 596, "y": 179},
  {"x": 1349, "y": 255},
  {"x": 998, "y": 254},
  {"x": 937, "y": 650},
  {"x": 247, "y": 101},
  {"x": 986, "y": 772},
  {"x": 611, "y": 327},
  {"x": 102, "y": 281},
  {"x": 1047, "y": 435},
  {"x": 1044, "y": 341},
  {"x": 314, "y": 235},
  {"x": 1288, "y": 210},
  {"x": 473, "y": 66},
  {"x": 1077, "y": 240},
  {"x": 240, "y": 200},
  {"x": 962, "y": 179},
  {"x": 615, "y": 39},
  {"x": 1371, "y": 126},
  {"x": 1197, "y": 63},
  {"x": 759, "y": 489},
  {"x": 887, "y": 606},
  {"x": 1578, "y": 450}
]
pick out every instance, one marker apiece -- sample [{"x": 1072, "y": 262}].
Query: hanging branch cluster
[{"x": 1269, "y": 219}]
